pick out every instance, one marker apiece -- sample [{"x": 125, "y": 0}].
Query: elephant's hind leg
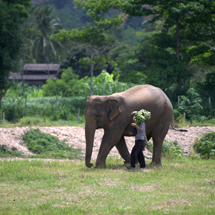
[
  {"x": 157, "y": 147},
  {"x": 158, "y": 135},
  {"x": 123, "y": 150}
]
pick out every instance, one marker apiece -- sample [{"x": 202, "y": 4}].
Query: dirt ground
[{"x": 75, "y": 136}]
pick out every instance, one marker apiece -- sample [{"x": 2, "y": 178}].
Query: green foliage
[
  {"x": 104, "y": 84},
  {"x": 156, "y": 59},
  {"x": 170, "y": 149},
  {"x": 13, "y": 15},
  {"x": 190, "y": 104},
  {"x": 206, "y": 88},
  {"x": 13, "y": 107},
  {"x": 4, "y": 152},
  {"x": 97, "y": 36},
  {"x": 69, "y": 85},
  {"x": 26, "y": 121},
  {"x": 129, "y": 36},
  {"x": 48, "y": 145},
  {"x": 74, "y": 57},
  {"x": 141, "y": 116},
  {"x": 66, "y": 86},
  {"x": 57, "y": 107},
  {"x": 46, "y": 50},
  {"x": 67, "y": 108},
  {"x": 125, "y": 64},
  {"x": 19, "y": 89},
  {"x": 205, "y": 146}
]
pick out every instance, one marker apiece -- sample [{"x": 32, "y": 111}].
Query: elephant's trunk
[{"x": 90, "y": 127}]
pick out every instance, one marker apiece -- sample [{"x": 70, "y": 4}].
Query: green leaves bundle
[{"x": 141, "y": 116}]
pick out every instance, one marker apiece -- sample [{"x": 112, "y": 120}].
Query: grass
[
  {"x": 45, "y": 121},
  {"x": 37, "y": 121},
  {"x": 181, "y": 122},
  {"x": 182, "y": 186}
]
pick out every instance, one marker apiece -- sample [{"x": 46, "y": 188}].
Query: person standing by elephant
[{"x": 140, "y": 139}]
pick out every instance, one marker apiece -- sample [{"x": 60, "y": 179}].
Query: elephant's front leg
[
  {"x": 109, "y": 140},
  {"x": 123, "y": 150}
]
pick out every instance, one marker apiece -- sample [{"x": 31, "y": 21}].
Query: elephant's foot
[
  {"x": 127, "y": 162},
  {"x": 100, "y": 165},
  {"x": 155, "y": 163}
]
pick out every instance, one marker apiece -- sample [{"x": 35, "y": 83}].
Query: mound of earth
[{"x": 75, "y": 137}]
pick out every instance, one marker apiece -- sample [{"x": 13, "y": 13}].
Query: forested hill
[{"x": 72, "y": 17}]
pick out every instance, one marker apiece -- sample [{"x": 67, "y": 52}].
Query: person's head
[{"x": 132, "y": 114}]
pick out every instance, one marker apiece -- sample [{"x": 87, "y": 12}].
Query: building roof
[
  {"x": 18, "y": 76},
  {"x": 41, "y": 67}
]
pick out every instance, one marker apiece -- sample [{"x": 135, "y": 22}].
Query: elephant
[{"x": 112, "y": 113}]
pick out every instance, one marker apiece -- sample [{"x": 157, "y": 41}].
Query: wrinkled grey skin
[{"x": 112, "y": 113}]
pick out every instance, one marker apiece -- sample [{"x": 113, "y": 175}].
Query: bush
[
  {"x": 48, "y": 145},
  {"x": 170, "y": 149},
  {"x": 205, "y": 146},
  {"x": 30, "y": 121}
]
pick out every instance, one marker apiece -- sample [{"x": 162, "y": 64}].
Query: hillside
[{"x": 74, "y": 17}]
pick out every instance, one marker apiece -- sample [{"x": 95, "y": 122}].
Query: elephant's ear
[{"x": 112, "y": 108}]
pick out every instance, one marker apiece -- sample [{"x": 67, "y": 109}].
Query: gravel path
[{"x": 75, "y": 136}]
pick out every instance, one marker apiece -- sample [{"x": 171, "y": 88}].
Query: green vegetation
[
  {"x": 58, "y": 99},
  {"x": 172, "y": 49},
  {"x": 42, "y": 187},
  {"x": 13, "y": 18},
  {"x": 42, "y": 145},
  {"x": 5, "y": 152},
  {"x": 170, "y": 149},
  {"x": 190, "y": 105},
  {"x": 48, "y": 146},
  {"x": 205, "y": 146}
]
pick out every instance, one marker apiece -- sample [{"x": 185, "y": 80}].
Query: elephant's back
[
  {"x": 146, "y": 92},
  {"x": 150, "y": 98}
]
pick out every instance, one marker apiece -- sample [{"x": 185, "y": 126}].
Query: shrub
[
  {"x": 48, "y": 145},
  {"x": 30, "y": 120},
  {"x": 170, "y": 149},
  {"x": 205, "y": 146}
]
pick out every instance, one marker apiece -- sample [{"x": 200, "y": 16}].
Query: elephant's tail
[{"x": 176, "y": 129}]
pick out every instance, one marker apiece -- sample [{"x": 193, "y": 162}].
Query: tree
[
  {"x": 46, "y": 50},
  {"x": 66, "y": 86},
  {"x": 13, "y": 15},
  {"x": 75, "y": 55},
  {"x": 167, "y": 41},
  {"x": 190, "y": 104},
  {"x": 200, "y": 30},
  {"x": 98, "y": 35}
]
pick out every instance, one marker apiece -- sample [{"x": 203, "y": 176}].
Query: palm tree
[{"x": 46, "y": 50}]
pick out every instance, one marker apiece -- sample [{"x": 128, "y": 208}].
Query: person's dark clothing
[{"x": 138, "y": 152}]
